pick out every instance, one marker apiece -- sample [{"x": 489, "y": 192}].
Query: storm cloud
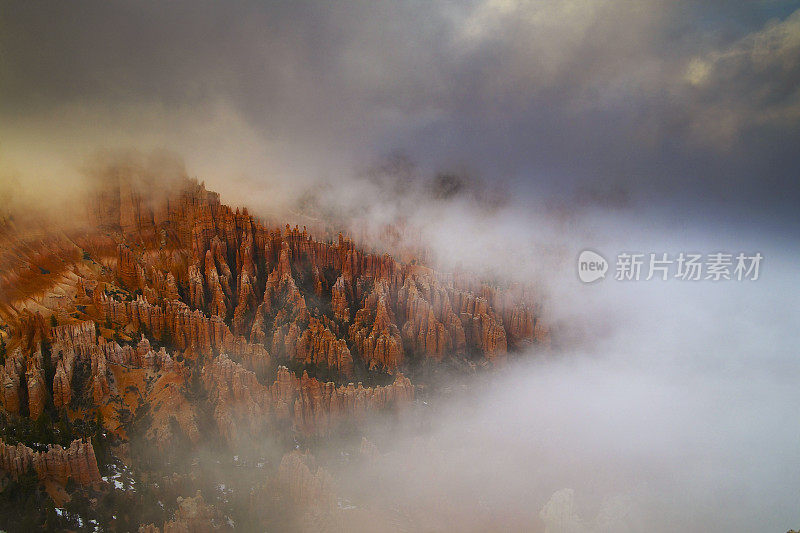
[{"x": 664, "y": 100}]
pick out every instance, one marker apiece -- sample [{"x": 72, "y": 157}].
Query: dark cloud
[{"x": 673, "y": 101}]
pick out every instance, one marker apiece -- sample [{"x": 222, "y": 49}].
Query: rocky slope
[
  {"x": 76, "y": 462},
  {"x": 172, "y": 317}
]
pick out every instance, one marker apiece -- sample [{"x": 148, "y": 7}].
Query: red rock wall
[{"x": 77, "y": 462}]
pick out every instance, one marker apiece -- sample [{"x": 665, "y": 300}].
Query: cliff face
[
  {"x": 245, "y": 408},
  {"x": 76, "y": 462},
  {"x": 318, "y": 345},
  {"x": 37, "y": 389}
]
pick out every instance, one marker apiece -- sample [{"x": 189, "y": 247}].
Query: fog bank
[{"x": 681, "y": 416}]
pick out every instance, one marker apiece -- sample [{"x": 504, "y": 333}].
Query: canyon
[{"x": 172, "y": 317}]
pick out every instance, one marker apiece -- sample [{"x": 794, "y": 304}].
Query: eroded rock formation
[
  {"x": 76, "y": 462},
  {"x": 310, "y": 486},
  {"x": 243, "y": 406},
  {"x": 178, "y": 313}
]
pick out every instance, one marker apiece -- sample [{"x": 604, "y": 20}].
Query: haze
[{"x": 504, "y": 137}]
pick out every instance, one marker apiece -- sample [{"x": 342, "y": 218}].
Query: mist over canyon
[
  {"x": 650, "y": 404},
  {"x": 305, "y": 266}
]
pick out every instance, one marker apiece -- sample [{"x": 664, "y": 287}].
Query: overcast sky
[
  {"x": 683, "y": 107},
  {"x": 671, "y": 100}
]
